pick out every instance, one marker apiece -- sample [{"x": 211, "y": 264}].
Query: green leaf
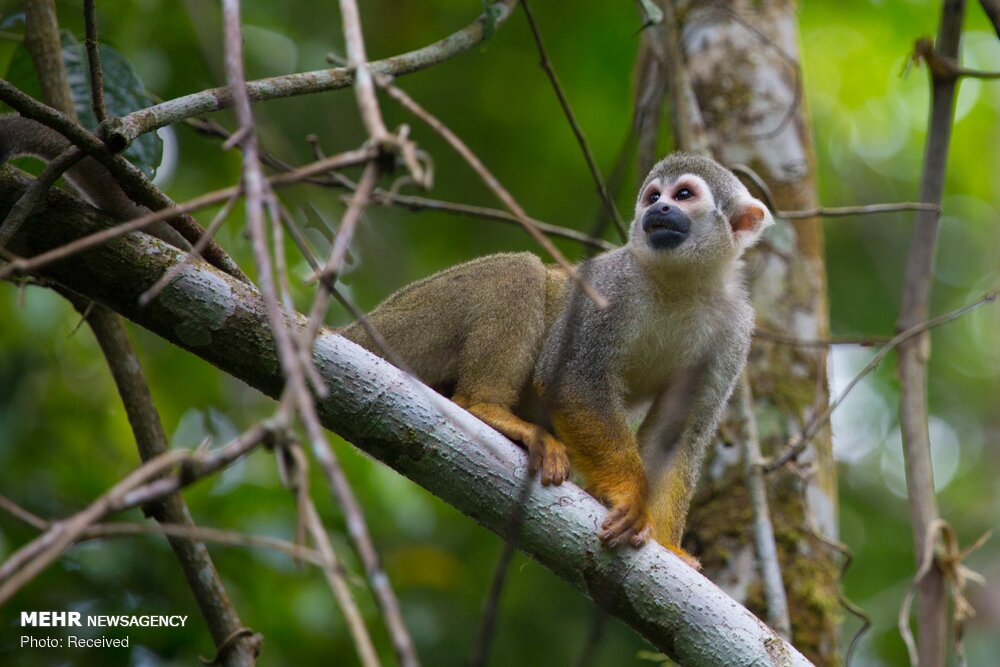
[{"x": 123, "y": 92}]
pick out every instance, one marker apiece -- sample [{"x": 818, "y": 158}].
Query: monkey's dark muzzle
[{"x": 666, "y": 228}]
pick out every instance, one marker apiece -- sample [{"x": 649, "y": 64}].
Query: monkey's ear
[{"x": 749, "y": 220}]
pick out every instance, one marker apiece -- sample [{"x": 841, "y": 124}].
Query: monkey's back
[{"x": 486, "y": 316}]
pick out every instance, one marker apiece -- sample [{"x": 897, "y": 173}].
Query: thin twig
[
  {"x": 763, "y": 530},
  {"x": 488, "y": 620},
  {"x": 866, "y": 209},
  {"x": 34, "y": 196},
  {"x": 129, "y": 494},
  {"x": 195, "y": 251},
  {"x": 292, "y": 369},
  {"x": 423, "y": 203},
  {"x": 132, "y": 492},
  {"x": 198, "y": 466},
  {"x": 94, "y": 61},
  {"x": 827, "y": 211},
  {"x": 784, "y": 339},
  {"x": 992, "y": 10},
  {"x": 492, "y": 183},
  {"x": 581, "y": 138},
  {"x": 364, "y": 87},
  {"x": 945, "y": 68},
  {"x": 345, "y": 233},
  {"x": 932, "y": 619},
  {"x": 199, "y": 570},
  {"x": 22, "y": 514},
  {"x": 413, "y": 203},
  {"x": 595, "y": 637},
  {"x": 296, "y": 391},
  {"x": 132, "y": 181},
  {"x": 487, "y": 624},
  {"x": 28, "y": 561},
  {"x": 347, "y": 159},
  {"x": 304, "y": 83},
  {"x": 649, "y": 92},
  {"x": 232, "y": 538},
  {"x": 798, "y": 443},
  {"x": 337, "y": 578},
  {"x": 296, "y": 472}
]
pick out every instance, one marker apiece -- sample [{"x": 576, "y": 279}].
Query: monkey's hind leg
[{"x": 546, "y": 455}]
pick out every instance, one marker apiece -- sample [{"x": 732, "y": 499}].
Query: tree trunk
[{"x": 742, "y": 58}]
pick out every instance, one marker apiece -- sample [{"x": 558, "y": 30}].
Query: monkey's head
[{"x": 693, "y": 211}]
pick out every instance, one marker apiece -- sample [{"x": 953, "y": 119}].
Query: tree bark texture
[{"x": 742, "y": 58}]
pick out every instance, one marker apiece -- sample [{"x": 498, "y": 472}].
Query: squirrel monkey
[{"x": 519, "y": 346}]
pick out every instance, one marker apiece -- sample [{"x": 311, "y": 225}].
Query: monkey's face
[
  {"x": 665, "y": 210},
  {"x": 675, "y": 216},
  {"x": 682, "y": 220}
]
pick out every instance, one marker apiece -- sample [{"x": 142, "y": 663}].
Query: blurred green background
[{"x": 64, "y": 438}]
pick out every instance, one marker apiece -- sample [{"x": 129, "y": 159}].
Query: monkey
[
  {"x": 517, "y": 343},
  {"x": 88, "y": 177}
]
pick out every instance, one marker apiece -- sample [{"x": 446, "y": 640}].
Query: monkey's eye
[
  {"x": 653, "y": 197},
  {"x": 682, "y": 194}
]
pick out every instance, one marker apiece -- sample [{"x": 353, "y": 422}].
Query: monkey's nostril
[{"x": 665, "y": 208}]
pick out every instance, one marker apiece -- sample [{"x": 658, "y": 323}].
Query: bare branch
[
  {"x": 932, "y": 619},
  {"x": 763, "y": 530},
  {"x": 199, "y": 570},
  {"x": 798, "y": 443},
  {"x": 133, "y": 182},
  {"x": 775, "y": 337},
  {"x": 391, "y": 198},
  {"x": 28, "y": 561},
  {"x": 94, "y": 61},
  {"x": 41, "y": 39},
  {"x": 35, "y": 195},
  {"x": 493, "y": 184},
  {"x": 425, "y": 204},
  {"x": 866, "y": 209},
  {"x": 357, "y": 62},
  {"x": 827, "y": 211},
  {"x": 218, "y": 196},
  {"x": 304, "y": 83},
  {"x": 581, "y": 138},
  {"x": 992, "y": 10},
  {"x": 945, "y": 68},
  {"x": 487, "y": 624}
]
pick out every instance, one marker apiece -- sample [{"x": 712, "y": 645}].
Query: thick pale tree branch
[{"x": 428, "y": 439}]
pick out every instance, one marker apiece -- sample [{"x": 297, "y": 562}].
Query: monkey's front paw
[
  {"x": 547, "y": 456},
  {"x": 626, "y": 521}
]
